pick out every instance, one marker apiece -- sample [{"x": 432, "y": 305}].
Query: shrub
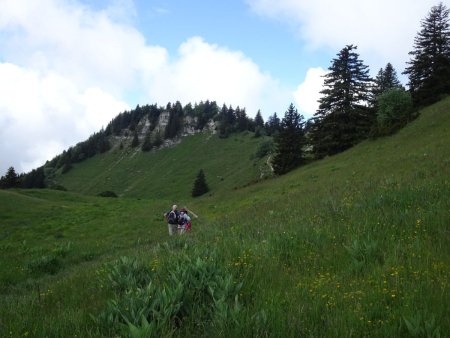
[
  {"x": 265, "y": 148},
  {"x": 107, "y": 193},
  {"x": 46, "y": 264},
  {"x": 394, "y": 110},
  {"x": 58, "y": 187}
]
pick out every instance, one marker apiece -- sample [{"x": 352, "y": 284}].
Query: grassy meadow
[{"x": 353, "y": 245}]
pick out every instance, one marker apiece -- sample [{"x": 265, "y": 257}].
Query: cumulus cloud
[
  {"x": 384, "y": 30},
  {"x": 66, "y": 70},
  {"x": 204, "y": 70},
  {"x": 41, "y": 114},
  {"x": 307, "y": 93}
]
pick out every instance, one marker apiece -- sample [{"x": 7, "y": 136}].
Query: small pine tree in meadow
[{"x": 200, "y": 186}]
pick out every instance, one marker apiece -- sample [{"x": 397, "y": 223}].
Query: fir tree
[
  {"x": 135, "y": 141},
  {"x": 386, "y": 79},
  {"x": 272, "y": 126},
  {"x": 429, "y": 67},
  {"x": 10, "y": 180},
  {"x": 200, "y": 186},
  {"x": 242, "y": 121},
  {"x": 34, "y": 179},
  {"x": 147, "y": 144},
  {"x": 343, "y": 118},
  {"x": 174, "y": 124},
  {"x": 226, "y": 121},
  {"x": 157, "y": 140},
  {"x": 289, "y": 142},
  {"x": 259, "y": 122}
]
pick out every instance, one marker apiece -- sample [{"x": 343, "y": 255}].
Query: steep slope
[{"x": 170, "y": 172}]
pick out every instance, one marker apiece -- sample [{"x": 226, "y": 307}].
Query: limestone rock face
[{"x": 144, "y": 128}]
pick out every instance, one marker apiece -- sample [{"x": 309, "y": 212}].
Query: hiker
[
  {"x": 184, "y": 222},
  {"x": 172, "y": 220}
]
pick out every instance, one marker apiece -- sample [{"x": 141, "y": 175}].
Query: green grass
[
  {"x": 170, "y": 172},
  {"x": 354, "y": 245}
]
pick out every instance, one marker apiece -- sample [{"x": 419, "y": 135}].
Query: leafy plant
[{"x": 45, "y": 264}]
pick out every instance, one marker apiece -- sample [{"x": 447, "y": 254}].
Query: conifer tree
[
  {"x": 386, "y": 79},
  {"x": 10, "y": 180},
  {"x": 200, "y": 186},
  {"x": 147, "y": 144},
  {"x": 429, "y": 67},
  {"x": 343, "y": 117},
  {"x": 272, "y": 125},
  {"x": 135, "y": 141},
  {"x": 259, "y": 122},
  {"x": 157, "y": 140},
  {"x": 174, "y": 124},
  {"x": 289, "y": 142},
  {"x": 242, "y": 121}
]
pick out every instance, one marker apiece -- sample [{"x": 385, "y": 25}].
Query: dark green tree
[
  {"x": 10, "y": 180},
  {"x": 259, "y": 122},
  {"x": 242, "y": 121},
  {"x": 343, "y": 118},
  {"x": 157, "y": 140},
  {"x": 385, "y": 79},
  {"x": 135, "y": 141},
  {"x": 272, "y": 125},
  {"x": 34, "y": 179},
  {"x": 226, "y": 121},
  {"x": 174, "y": 124},
  {"x": 289, "y": 142},
  {"x": 200, "y": 186},
  {"x": 259, "y": 125},
  {"x": 147, "y": 144},
  {"x": 429, "y": 67}
]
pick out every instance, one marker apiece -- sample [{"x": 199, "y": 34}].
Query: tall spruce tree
[
  {"x": 200, "y": 186},
  {"x": 429, "y": 67},
  {"x": 289, "y": 142},
  {"x": 343, "y": 117}
]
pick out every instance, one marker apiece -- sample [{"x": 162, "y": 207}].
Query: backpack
[{"x": 172, "y": 217}]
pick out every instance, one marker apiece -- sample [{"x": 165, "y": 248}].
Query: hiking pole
[{"x": 190, "y": 211}]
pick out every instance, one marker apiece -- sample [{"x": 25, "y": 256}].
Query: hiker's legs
[{"x": 172, "y": 229}]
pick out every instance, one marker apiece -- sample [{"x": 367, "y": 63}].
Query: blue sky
[{"x": 67, "y": 67}]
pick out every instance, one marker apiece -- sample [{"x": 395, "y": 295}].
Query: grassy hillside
[
  {"x": 170, "y": 172},
  {"x": 355, "y": 245}
]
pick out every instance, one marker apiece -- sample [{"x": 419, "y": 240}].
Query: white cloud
[
  {"x": 207, "y": 71},
  {"x": 307, "y": 93},
  {"x": 42, "y": 114},
  {"x": 66, "y": 70},
  {"x": 384, "y": 30}
]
